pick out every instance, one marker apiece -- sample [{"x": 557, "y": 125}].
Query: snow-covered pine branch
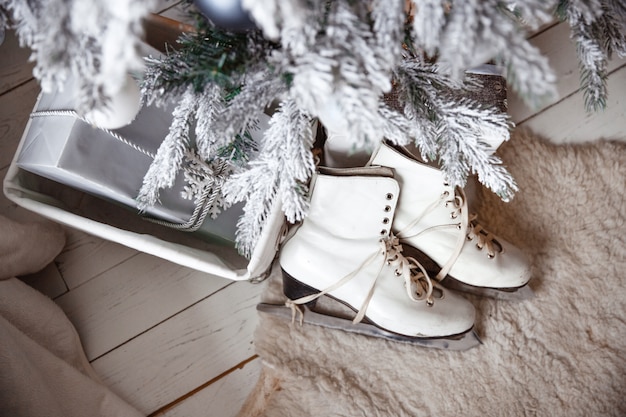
[
  {"x": 449, "y": 129},
  {"x": 418, "y": 87},
  {"x": 210, "y": 109},
  {"x": 598, "y": 28},
  {"x": 462, "y": 150},
  {"x": 281, "y": 171},
  {"x": 94, "y": 42},
  {"x": 169, "y": 157},
  {"x": 466, "y": 34},
  {"x": 388, "y": 19},
  {"x": 340, "y": 75},
  {"x": 261, "y": 86}
]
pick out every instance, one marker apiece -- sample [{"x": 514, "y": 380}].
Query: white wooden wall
[{"x": 176, "y": 342}]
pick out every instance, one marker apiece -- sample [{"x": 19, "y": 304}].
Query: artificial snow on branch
[
  {"x": 598, "y": 27},
  {"x": 462, "y": 35},
  {"x": 280, "y": 171},
  {"x": 95, "y": 42},
  {"x": 169, "y": 157},
  {"x": 449, "y": 129}
]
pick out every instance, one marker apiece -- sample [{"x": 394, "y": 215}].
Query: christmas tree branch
[{"x": 280, "y": 171}]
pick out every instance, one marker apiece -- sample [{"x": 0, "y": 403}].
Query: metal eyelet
[
  {"x": 491, "y": 255},
  {"x": 383, "y": 232},
  {"x": 470, "y": 238},
  {"x": 386, "y": 220},
  {"x": 479, "y": 247},
  {"x": 387, "y": 209},
  {"x": 389, "y": 196}
]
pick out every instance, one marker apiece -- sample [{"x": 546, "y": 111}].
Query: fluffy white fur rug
[{"x": 562, "y": 353}]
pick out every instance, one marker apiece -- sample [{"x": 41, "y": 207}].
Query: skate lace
[
  {"x": 416, "y": 280},
  {"x": 469, "y": 228}
]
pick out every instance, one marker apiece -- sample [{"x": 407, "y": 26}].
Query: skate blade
[
  {"x": 509, "y": 294},
  {"x": 463, "y": 341}
]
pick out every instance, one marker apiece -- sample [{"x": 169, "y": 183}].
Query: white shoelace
[
  {"x": 468, "y": 228},
  {"x": 418, "y": 285}
]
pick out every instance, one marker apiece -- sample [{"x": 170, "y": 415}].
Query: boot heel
[{"x": 294, "y": 289}]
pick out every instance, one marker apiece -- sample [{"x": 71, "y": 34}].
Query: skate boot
[
  {"x": 434, "y": 226},
  {"x": 344, "y": 249}
]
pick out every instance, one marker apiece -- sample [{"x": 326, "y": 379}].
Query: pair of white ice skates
[{"x": 389, "y": 240}]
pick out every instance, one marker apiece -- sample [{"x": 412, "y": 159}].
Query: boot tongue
[{"x": 369, "y": 171}]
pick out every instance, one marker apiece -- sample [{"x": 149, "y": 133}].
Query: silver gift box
[{"x": 70, "y": 151}]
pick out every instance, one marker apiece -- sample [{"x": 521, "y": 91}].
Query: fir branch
[
  {"x": 397, "y": 128},
  {"x": 587, "y": 11},
  {"x": 462, "y": 150},
  {"x": 205, "y": 57},
  {"x": 347, "y": 31},
  {"x": 262, "y": 86},
  {"x": 598, "y": 27},
  {"x": 301, "y": 22},
  {"x": 210, "y": 109},
  {"x": 449, "y": 129},
  {"x": 283, "y": 167},
  {"x": 615, "y": 27},
  {"x": 95, "y": 43},
  {"x": 210, "y": 55},
  {"x": 593, "y": 66},
  {"x": 388, "y": 28},
  {"x": 169, "y": 157},
  {"x": 419, "y": 88},
  {"x": 239, "y": 150},
  {"x": 341, "y": 75},
  {"x": 429, "y": 19},
  {"x": 466, "y": 34}
]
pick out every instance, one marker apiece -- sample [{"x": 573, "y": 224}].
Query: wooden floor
[{"x": 176, "y": 342}]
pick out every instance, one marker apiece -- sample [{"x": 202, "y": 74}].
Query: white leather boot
[
  {"x": 344, "y": 249},
  {"x": 434, "y": 226}
]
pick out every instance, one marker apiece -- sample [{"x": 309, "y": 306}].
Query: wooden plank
[
  {"x": 47, "y": 281},
  {"x": 14, "y": 66},
  {"x": 568, "y": 122},
  {"x": 131, "y": 298},
  {"x": 85, "y": 257},
  {"x": 15, "y": 108},
  {"x": 561, "y": 52},
  {"x": 223, "y": 397},
  {"x": 181, "y": 354}
]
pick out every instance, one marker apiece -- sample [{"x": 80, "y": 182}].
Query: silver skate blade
[
  {"x": 459, "y": 342},
  {"x": 509, "y": 294}
]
